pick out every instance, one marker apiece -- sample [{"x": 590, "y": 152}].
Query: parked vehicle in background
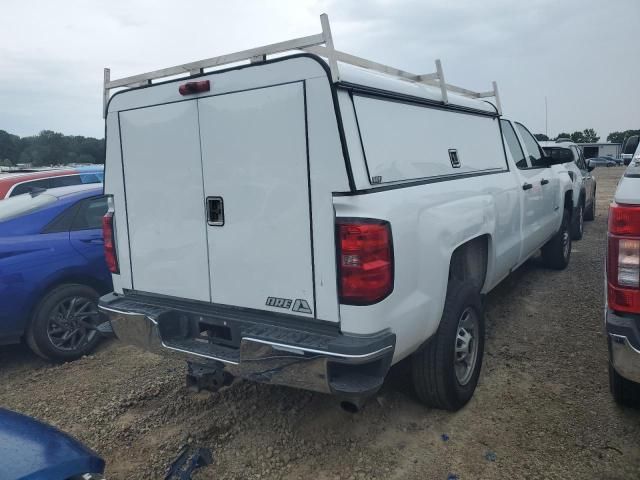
[
  {"x": 53, "y": 270},
  {"x": 622, "y": 317},
  {"x": 385, "y": 209},
  {"x": 629, "y": 147},
  {"x": 584, "y": 185},
  {"x": 33, "y": 450},
  {"x": 602, "y": 162},
  {"x": 14, "y": 183}
]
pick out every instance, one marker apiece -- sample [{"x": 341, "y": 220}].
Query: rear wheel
[
  {"x": 590, "y": 212},
  {"x": 625, "y": 392},
  {"x": 577, "y": 223},
  {"x": 557, "y": 251},
  {"x": 446, "y": 369},
  {"x": 63, "y": 326}
]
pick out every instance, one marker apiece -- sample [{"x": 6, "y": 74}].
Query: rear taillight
[
  {"x": 365, "y": 260},
  {"x": 623, "y": 258},
  {"x": 109, "y": 243}
]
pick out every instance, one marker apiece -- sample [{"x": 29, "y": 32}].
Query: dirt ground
[{"x": 542, "y": 408}]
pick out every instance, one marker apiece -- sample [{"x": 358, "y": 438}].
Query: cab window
[
  {"x": 513, "y": 144},
  {"x": 531, "y": 145}
]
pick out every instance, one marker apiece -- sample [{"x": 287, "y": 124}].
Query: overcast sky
[{"x": 583, "y": 55}]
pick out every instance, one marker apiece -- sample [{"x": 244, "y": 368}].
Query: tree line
[
  {"x": 49, "y": 148},
  {"x": 589, "y": 135}
]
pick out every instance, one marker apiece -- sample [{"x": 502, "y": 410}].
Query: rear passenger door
[
  {"x": 543, "y": 183},
  {"x": 531, "y": 226},
  {"x": 85, "y": 233}
]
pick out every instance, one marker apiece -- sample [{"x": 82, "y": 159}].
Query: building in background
[{"x": 592, "y": 150}]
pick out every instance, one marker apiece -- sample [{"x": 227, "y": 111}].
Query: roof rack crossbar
[{"x": 320, "y": 44}]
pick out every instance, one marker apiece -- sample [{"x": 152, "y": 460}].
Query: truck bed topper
[{"x": 320, "y": 44}]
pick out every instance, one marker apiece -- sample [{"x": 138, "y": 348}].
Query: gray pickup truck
[{"x": 622, "y": 312}]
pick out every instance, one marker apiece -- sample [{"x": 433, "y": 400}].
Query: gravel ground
[{"x": 542, "y": 408}]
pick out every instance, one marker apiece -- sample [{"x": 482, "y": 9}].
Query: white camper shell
[{"x": 300, "y": 221}]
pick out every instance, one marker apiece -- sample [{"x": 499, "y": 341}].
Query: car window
[
  {"x": 531, "y": 145},
  {"x": 90, "y": 178},
  {"x": 89, "y": 214},
  {"x": 23, "y": 204},
  {"x": 513, "y": 144},
  {"x": 26, "y": 187},
  {"x": 65, "y": 181},
  {"x": 578, "y": 158}
]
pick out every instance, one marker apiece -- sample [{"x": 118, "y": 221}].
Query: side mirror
[{"x": 590, "y": 166}]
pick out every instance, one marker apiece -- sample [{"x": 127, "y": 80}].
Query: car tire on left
[{"x": 62, "y": 326}]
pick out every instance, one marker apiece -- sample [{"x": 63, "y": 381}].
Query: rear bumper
[
  {"x": 624, "y": 344},
  {"x": 256, "y": 345}
]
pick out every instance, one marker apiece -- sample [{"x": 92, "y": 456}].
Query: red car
[{"x": 23, "y": 181}]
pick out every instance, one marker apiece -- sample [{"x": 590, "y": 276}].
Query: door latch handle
[
  {"x": 215, "y": 211},
  {"x": 544, "y": 181},
  {"x": 527, "y": 186}
]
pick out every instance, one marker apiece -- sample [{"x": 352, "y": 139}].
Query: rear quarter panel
[{"x": 428, "y": 223}]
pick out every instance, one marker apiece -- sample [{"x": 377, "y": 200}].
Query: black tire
[
  {"x": 48, "y": 311},
  {"x": 577, "y": 223},
  {"x": 554, "y": 253},
  {"x": 625, "y": 392},
  {"x": 590, "y": 212},
  {"x": 434, "y": 364}
]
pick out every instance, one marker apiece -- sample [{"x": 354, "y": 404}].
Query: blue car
[
  {"x": 32, "y": 450},
  {"x": 52, "y": 270}
]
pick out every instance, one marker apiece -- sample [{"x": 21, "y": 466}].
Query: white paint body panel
[
  {"x": 254, "y": 157},
  {"x": 249, "y": 142},
  {"x": 165, "y": 206},
  {"x": 405, "y": 142}
]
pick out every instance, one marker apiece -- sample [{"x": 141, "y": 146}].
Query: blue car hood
[{"x": 31, "y": 450}]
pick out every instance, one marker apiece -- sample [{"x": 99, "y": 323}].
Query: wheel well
[
  {"x": 568, "y": 201},
  {"x": 469, "y": 261}
]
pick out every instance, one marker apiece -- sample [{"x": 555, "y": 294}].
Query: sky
[{"x": 582, "y": 55}]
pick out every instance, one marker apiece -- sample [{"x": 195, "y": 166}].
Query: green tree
[
  {"x": 619, "y": 137},
  {"x": 577, "y": 137},
  {"x": 590, "y": 136},
  {"x": 563, "y": 135},
  {"x": 541, "y": 137},
  {"x": 9, "y": 147}
]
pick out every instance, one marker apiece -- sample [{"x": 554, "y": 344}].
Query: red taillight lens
[
  {"x": 190, "y": 88},
  {"x": 365, "y": 260},
  {"x": 109, "y": 243},
  {"x": 623, "y": 258}
]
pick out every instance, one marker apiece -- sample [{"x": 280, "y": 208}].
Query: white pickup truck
[
  {"x": 311, "y": 222},
  {"x": 622, "y": 311}
]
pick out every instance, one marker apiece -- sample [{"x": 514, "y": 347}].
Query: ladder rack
[{"x": 320, "y": 44}]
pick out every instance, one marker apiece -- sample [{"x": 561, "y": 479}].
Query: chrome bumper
[
  {"x": 258, "y": 359},
  {"x": 625, "y": 358},
  {"x": 624, "y": 338}
]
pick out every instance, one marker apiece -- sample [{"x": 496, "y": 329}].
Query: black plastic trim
[
  {"x": 277, "y": 327},
  {"x": 416, "y": 183},
  {"x": 627, "y": 325}
]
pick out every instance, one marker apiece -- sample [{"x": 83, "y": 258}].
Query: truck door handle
[
  {"x": 544, "y": 181},
  {"x": 215, "y": 211},
  {"x": 527, "y": 186}
]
